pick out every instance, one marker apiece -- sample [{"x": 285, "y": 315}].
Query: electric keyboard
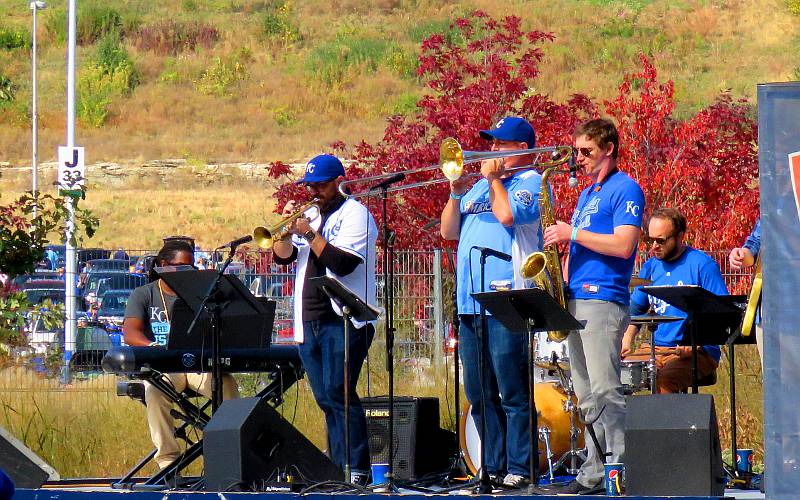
[{"x": 127, "y": 360}]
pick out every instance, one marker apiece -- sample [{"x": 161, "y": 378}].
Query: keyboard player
[{"x": 147, "y": 323}]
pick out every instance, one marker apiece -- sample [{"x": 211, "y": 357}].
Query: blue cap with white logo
[
  {"x": 512, "y": 128},
  {"x": 322, "y": 168}
]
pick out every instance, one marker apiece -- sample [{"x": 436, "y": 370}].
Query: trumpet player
[
  {"x": 499, "y": 212},
  {"x": 339, "y": 242}
]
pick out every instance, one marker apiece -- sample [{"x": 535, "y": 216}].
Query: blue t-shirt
[
  {"x": 693, "y": 267},
  {"x": 753, "y": 242},
  {"x": 480, "y": 227},
  {"x": 617, "y": 201}
]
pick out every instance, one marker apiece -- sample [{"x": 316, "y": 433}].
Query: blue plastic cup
[
  {"x": 744, "y": 460},
  {"x": 379, "y": 472},
  {"x": 614, "y": 473}
]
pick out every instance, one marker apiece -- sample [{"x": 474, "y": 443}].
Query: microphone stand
[
  {"x": 388, "y": 236},
  {"x": 484, "y": 481},
  {"x": 213, "y": 308}
]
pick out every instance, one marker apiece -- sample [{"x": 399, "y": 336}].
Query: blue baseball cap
[
  {"x": 322, "y": 168},
  {"x": 512, "y": 128}
]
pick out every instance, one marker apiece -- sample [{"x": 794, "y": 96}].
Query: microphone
[
  {"x": 494, "y": 253},
  {"x": 388, "y": 181},
  {"x": 573, "y": 172},
  {"x": 238, "y": 241}
]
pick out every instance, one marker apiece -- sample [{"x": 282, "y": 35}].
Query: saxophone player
[
  {"x": 603, "y": 236},
  {"x": 499, "y": 212}
]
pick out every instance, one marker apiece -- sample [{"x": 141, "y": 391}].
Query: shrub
[
  {"x": 113, "y": 58},
  {"x": 420, "y": 31},
  {"x": 331, "y": 62},
  {"x": 221, "y": 76},
  {"x": 173, "y": 37},
  {"x": 277, "y": 25},
  {"x": 94, "y": 20},
  {"x": 8, "y": 91},
  {"x": 14, "y": 39},
  {"x": 95, "y": 89},
  {"x": 794, "y": 6}
]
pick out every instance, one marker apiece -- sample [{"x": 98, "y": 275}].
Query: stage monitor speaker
[
  {"x": 247, "y": 444},
  {"x": 23, "y": 466},
  {"x": 672, "y": 446},
  {"x": 420, "y": 445}
]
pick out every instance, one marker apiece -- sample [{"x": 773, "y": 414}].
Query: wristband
[
  {"x": 454, "y": 196},
  {"x": 574, "y": 234},
  {"x": 154, "y": 344}
]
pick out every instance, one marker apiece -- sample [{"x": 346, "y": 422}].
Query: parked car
[
  {"x": 112, "y": 306},
  {"x": 87, "y": 254},
  {"x": 43, "y": 274},
  {"x": 121, "y": 265},
  {"x": 39, "y": 290},
  {"x": 97, "y": 283},
  {"x": 142, "y": 264}
]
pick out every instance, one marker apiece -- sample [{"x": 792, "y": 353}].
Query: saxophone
[{"x": 544, "y": 268}]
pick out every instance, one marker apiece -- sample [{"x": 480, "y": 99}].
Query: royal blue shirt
[
  {"x": 617, "y": 201},
  {"x": 480, "y": 227},
  {"x": 693, "y": 267}
]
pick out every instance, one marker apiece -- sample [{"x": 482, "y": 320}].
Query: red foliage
[{"x": 707, "y": 165}]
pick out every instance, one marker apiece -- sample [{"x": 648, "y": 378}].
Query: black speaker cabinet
[
  {"x": 247, "y": 444},
  {"x": 672, "y": 446},
  {"x": 420, "y": 445},
  {"x": 23, "y": 466}
]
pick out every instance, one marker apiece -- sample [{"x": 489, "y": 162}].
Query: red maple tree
[{"x": 705, "y": 165}]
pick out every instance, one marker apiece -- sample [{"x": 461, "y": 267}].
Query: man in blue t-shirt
[
  {"x": 674, "y": 263},
  {"x": 603, "y": 236},
  {"x": 500, "y": 212}
]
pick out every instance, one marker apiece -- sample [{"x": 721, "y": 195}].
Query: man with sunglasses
[
  {"x": 603, "y": 236},
  {"x": 147, "y": 323},
  {"x": 339, "y": 241},
  {"x": 499, "y": 212},
  {"x": 674, "y": 263}
]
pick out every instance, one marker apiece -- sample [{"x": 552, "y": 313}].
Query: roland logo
[{"x": 377, "y": 412}]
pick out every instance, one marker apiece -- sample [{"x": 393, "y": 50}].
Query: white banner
[{"x": 71, "y": 168}]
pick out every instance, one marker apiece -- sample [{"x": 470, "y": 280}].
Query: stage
[{"x": 104, "y": 493}]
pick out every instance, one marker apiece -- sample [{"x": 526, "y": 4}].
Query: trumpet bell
[
  {"x": 451, "y": 159},
  {"x": 263, "y": 237}
]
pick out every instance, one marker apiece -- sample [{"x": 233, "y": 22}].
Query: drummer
[{"x": 673, "y": 263}]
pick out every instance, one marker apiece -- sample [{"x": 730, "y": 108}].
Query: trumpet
[
  {"x": 452, "y": 159},
  {"x": 265, "y": 237}
]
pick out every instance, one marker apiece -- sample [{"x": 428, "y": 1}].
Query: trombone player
[
  {"x": 340, "y": 242},
  {"x": 500, "y": 212}
]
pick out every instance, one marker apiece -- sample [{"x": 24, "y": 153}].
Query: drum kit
[{"x": 560, "y": 428}]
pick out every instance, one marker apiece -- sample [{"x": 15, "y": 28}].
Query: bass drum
[{"x": 551, "y": 405}]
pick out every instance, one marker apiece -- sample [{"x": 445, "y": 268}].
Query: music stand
[
  {"x": 528, "y": 310},
  {"x": 719, "y": 316},
  {"x": 232, "y": 309},
  {"x": 352, "y": 308}
]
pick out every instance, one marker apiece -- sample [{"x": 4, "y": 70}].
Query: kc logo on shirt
[{"x": 631, "y": 208}]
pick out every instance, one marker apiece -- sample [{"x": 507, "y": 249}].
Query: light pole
[{"x": 35, "y": 5}]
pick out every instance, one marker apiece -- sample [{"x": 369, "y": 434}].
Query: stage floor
[{"x": 106, "y": 493}]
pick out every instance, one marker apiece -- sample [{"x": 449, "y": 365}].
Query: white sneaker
[{"x": 516, "y": 481}]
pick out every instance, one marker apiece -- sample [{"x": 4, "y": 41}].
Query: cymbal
[
  {"x": 653, "y": 319},
  {"x": 637, "y": 281}
]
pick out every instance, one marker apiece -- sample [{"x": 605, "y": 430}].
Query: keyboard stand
[{"x": 282, "y": 377}]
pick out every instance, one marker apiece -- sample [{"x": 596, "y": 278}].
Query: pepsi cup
[
  {"x": 614, "y": 473},
  {"x": 744, "y": 460}
]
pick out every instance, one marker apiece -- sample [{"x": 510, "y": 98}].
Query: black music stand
[
  {"x": 529, "y": 310},
  {"x": 219, "y": 303},
  {"x": 352, "y": 308},
  {"x": 716, "y": 316}
]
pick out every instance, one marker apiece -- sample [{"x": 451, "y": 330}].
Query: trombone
[{"x": 452, "y": 159}]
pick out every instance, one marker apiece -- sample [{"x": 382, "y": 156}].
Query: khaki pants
[
  {"x": 161, "y": 423},
  {"x": 675, "y": 372}
]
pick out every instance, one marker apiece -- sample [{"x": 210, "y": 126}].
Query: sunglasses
[
  {"x": 659, "y": 241},
  {"x": 586, "y": 152},
  {"x": 179, "y": 264}
]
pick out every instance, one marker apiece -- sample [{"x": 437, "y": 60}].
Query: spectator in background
[{"x": 121, "y": 254}]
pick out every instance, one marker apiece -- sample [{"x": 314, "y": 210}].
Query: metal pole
[
  {"x": 35, "y": 6},
  {"x": 70, "y": 324}
]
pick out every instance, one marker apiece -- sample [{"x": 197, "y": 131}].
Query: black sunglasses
[
  {"x": 176, "y": 264},
  {"x": 584, "y": 151},
  {"x": 660, "y": 241}
]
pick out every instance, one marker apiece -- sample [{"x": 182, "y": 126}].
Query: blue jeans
[
  {"x": 322, "y": 354},
  {"x": 507, "y": 436}
]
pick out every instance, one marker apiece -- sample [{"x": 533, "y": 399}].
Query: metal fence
[{"x": 423, "y": 305}]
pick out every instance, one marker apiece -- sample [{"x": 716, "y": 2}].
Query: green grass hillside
[{"x": 244, "y": 80}]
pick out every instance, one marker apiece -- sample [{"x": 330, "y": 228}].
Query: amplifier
[{"x": 420, "y": 445}]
